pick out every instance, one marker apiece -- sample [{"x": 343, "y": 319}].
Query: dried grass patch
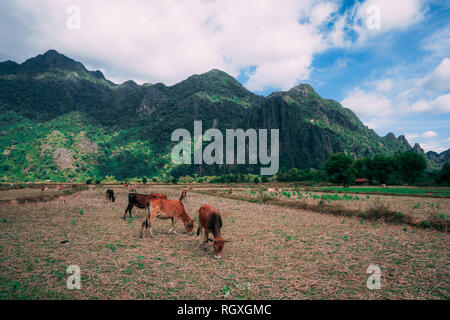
[{"x": 276, "y": 253}]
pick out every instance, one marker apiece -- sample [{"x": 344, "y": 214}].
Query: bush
[{"x": 186, "y": 179}]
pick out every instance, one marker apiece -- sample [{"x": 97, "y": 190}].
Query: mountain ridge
[{"x": 130, "y": 116}]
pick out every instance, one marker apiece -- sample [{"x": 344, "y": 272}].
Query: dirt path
[{"x": 275, "y": 253}]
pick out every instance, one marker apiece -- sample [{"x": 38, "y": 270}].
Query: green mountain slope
[{"x": 62, "y": 121}]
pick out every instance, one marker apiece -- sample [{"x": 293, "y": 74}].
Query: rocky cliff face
[
  {"x": 437, "y": 160},
  {"x": 48, "y": 87}
]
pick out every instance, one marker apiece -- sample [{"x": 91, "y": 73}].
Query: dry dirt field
[
  {"x": 420, "y": 208},
  {"x": 275, "y": 253}
]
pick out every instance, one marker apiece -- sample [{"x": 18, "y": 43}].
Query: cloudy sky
[{"x": 387, "y": 60}]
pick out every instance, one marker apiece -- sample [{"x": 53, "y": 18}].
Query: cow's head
[
  {"x": 219, "y": 243},
  {"x": 189, "y": 225}
]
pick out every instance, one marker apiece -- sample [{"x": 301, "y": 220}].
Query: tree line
[{"x": 340, "y": 168}]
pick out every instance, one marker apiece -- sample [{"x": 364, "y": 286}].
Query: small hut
[{"x": 362, "y": 181}]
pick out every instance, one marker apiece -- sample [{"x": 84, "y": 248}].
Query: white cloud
[
  {"x": 411, "y": 137},
  {"x": 438, "y": 106},
  {"x": 368, "y": 104},
  {"x": 336, "y": 37},
  {"x": 435, "y": 146},
  {"x": 384, "y": 85},
  {"x": 394, "y": 15},
  {"x": 428, "y": 142},
  {"x": 321, "y": 12},
  {"x": 167, "y": 41},
  {"x": 439, "y": 42},
  {"x": 439, "y": 80},
  {"x": 429, "y": 134}
]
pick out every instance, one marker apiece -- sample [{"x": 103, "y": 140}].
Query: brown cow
[
  {"x": 166, "y": 209},
  {"x": 140, "y": 201},
  {"x": 210, "y": 220},
  {"x": 131, "y": 188},
  {"x": 183, "y": 195}
]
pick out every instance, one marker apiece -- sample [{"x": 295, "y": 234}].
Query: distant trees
[
  {"x": 339, "y": 168},
  {"x": 411, "y": 165},
  {"x": 405, "y": 167},
  {"x": 443, "y": 176}
]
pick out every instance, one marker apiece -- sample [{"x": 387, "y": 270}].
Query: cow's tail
[{"x": 147, "y": 215}]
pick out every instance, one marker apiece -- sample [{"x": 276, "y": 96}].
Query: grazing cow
[
  {"x": 209, "y": 219},
  {"x": 110, "y": 195},
  {"x": 166, "y": 209},
  {"x": 141, "y": 200},
  {"x": 131, "y": 188},
  {"x": 61, "y": 200},
  {"x": 183, "y": 195}
]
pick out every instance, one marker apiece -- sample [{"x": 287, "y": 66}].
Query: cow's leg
[
  {"x": 174, "y": 223},
  {"x": 199, "y": 232},
  {"x": 151, "y": 215},
  {"x": 152, "y": 218},
  {"x": 142, "y": 228},
  {"x": 145, "y": 222},
  {"x": 205, "y": 240},
  {"x": 130, "y": 206}
]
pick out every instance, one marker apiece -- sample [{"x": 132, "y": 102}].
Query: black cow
[{"x": 110, "y": 195}]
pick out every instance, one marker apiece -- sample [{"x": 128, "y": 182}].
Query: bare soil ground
[
  {"x": 12, "y": 194},
  {"x": 420, "y": 208},
  {"x": 275, "y": 253}
]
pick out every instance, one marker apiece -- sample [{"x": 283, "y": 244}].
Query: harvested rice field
[{"x": 276, "y": 251}]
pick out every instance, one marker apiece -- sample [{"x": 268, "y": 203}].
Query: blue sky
[{"x": 388, "y": 61}]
